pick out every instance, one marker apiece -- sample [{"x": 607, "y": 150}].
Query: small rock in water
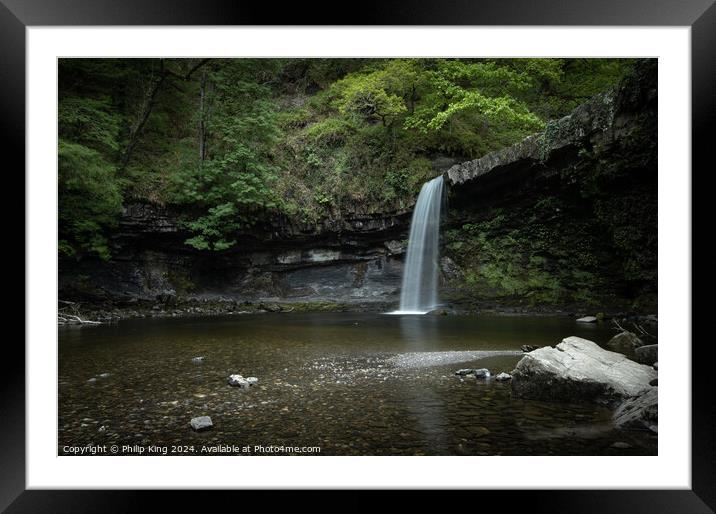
[
  {"x": 201, "y": 423},
  {"x": 477, "y": 373},
  {"x": 480, "y": 431},
  {"x": 527, "y": 348},
  {"x": 252, "y": 380},
  {"x": 482, "y": 373},
  {"x": 198, "y": 360},
  {"x": 502, "y": 377},
  {"x": 92, "y": 380},
  {"x": 238, "y": 381},
  {"x": 101, "y": 429},
  {"x": 587, "y": 319},
  {"x": 104, "y": 375},
  {"x": 621, "y": 445}
]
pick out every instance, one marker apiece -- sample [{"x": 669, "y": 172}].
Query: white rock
[
  {"x": 578, "y": 369},
  {"x": 587, "y": 319},
  {"x": 502, "y": 377},
  {"x": 238, "y": 381},
  {"x": 201, "y": 423}
]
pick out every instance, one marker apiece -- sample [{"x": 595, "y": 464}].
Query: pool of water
[{"x": 347, "y": 383}]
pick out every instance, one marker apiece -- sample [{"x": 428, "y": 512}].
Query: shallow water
[{"x": 349, "y": 383}]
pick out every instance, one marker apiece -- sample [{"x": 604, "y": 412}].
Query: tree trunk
[
  {"x": 149, "y": 101},
  {"x": 202, "y": 128},
  {"x": 148, "y": 105}
]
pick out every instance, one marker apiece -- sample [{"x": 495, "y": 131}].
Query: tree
[
  {"x": 232, "y": 185},
  {"x": 89, "y": 126},
  {"x": 369, "y": 98}
]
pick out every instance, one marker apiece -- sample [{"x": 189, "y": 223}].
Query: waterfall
[{"x": 420, "y": 276}]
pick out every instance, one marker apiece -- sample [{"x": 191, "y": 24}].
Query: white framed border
[{"x": 670, "y": 469}]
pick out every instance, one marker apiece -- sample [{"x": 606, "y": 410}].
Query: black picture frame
[{"x": 700, "y": 15}]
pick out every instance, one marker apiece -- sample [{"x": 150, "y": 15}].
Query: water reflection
[{"x": 419, "y": 333}]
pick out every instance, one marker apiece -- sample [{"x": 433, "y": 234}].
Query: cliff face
[
  {"x": 566, "y": 217},
  {"x": 352, "y": 260}
]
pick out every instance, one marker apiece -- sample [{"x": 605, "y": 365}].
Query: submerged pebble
[{"x": 201, "y": 423}]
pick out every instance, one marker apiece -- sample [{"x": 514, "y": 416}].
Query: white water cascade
[{"x": 419, "y": 294}]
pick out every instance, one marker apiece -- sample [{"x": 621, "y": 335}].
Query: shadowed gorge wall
[{"x": 568, "y": 216}]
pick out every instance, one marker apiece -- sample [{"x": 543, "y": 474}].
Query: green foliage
[
  {"x": 234, "y": 142},
  {"x": 366, "y": 97},
  {"x": 89, "y": 190},
  {"x": 330, "y": 132},
  {"x": 455, "y": 88},
  {"x": 90, "y": 200}
]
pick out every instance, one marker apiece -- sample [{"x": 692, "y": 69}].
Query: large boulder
[
  {"x": 640, "y": 412},
  {"x": 579, "y": 370}
]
